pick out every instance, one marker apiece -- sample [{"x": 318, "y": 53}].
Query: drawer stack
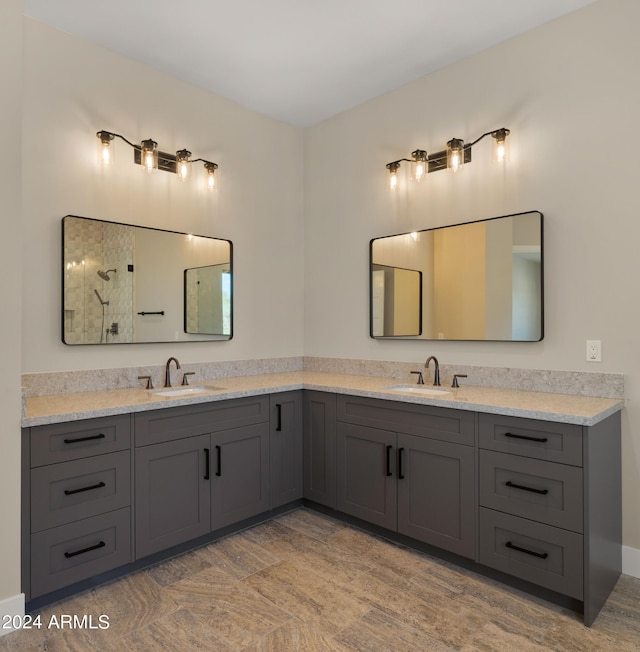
[
  {"x": 531, "y": 501},
  {"x": 80, "y": 497}
]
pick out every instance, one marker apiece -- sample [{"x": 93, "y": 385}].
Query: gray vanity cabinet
[
  {"x": 366, "y": 474},
  {"x": 76, "y": 517},
  {"x": 285, "y": 444},
  {"x": 319, "y": 447},
  {"x": 239, "y": 474},
  {"x": 436, "y": 493},
  {"x": 199, "y": 468},
  {"x": 550, "y": 510},
  {"x": 416, "y": 476},
  {"x": 173, "y": 493}
]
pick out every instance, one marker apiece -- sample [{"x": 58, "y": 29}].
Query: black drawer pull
[
  {"x": 219, "y": 454},
  {"x": 70, "y": 492},
  {"x": 207, "y": 464},
  {"x": 541, "y": 440},
  {"x": 389, "y": 460},
  {"x": 544, "y": 492},
  {"x": 540, "y": 555},
  {"x": 278, "y": 417},
  {"x": 400, "y": 451},
  {"x": 68, "y": 555},
  {"x": 89, "y": 438}
]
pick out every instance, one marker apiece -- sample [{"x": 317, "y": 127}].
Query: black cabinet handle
[
  {"x": 278, "y": 417},
  {"x": 70, "y": 492},
  {"x": 219, "y": 454},
  {"x": 540, "y": 555},
  {"x": 207, "y": 463},
  {"x": 544, "y": 492},
  {"x": 400, "y": 451},
  {"x": 389, "y": 460},
  {"x": 542, "y": 440},
  {"x": 89, "y": 438},
  {"x": 68, "y": 555}
]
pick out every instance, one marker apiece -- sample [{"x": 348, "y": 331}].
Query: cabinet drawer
[
  {"x": 71, "y": 553},
  {"x": 545, "y": 440},
  {"x": 446, "y": 424},
  {"x": 61, "y": 442},
  {"x": 534, "y": 489},
  {"x": 70, "y": 491},
  {"x": 537, "y": 553},
  {"x": 191, "y": 420}
]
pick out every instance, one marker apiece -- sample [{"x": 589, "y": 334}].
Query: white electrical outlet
[{"x": 594, "y": 351}]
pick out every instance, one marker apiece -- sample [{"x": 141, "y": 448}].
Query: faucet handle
[
  {"x": 148, "y": 379},
  {"x": 420, "y": 380},
  {"x": 185, "y": 380},
  {"x": 455, "y": 379}
]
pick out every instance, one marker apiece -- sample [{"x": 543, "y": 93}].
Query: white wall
[
  {"x": 568, "y": 91},
  {"x": 10, "y": 296},
  {"x": 72, "y": 90}
]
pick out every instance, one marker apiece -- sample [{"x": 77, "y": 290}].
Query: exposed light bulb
[
  {"x": 392, "y": 183},
  {"x": 500, "y": 146},
  {"x": 211, "y": 176},
  {"x": 419, "y": 164},
  {"x": 149, "y": 155},
  {"x": 105, "y": 151},
  {"x": 455, "y": 154},
  {"x": 183, "y": 165}
]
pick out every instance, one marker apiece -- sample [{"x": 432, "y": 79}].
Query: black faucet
[
  {"x": 167, "y": 373},
  {"x": 436, "y": 373}
]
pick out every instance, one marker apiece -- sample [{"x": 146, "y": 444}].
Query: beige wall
[
  {"x": 10, "y": 297},
  {"x": 73, "y": 89},
  {"x": 460, "y": 282},
  {"x": 568, "y": 91}
]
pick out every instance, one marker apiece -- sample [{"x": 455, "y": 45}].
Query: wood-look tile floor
[{"x": 307, "y": 582}]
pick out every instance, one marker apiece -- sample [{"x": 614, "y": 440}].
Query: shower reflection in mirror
[{"x": 127, "y": 284}]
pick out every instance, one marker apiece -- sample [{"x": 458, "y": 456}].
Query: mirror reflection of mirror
[
  {"x": 125, "y": 283},
  {"x": 396, "y": 301},
  {"x": 207, "y": 292},
  {"x": 480, "y": 280}
]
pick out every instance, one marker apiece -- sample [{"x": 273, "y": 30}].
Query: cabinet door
[
  {"x": 319, "y": 448},
  {"x": 285, "y": 445},
  {"x": 366, "y": 474},
  {"x": 239, "y": 474},
  {"x": 436, "y": 493},
  {"x": 173, "y": 493}
]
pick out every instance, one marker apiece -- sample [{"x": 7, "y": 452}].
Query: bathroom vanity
[{"x": 529, "y": 497}]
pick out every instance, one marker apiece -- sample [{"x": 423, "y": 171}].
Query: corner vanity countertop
[{"x": 565, "y": 408}]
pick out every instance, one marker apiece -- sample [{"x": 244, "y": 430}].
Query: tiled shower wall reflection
[{"x": 89, "y": 247}]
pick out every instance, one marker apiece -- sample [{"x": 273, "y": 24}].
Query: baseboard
[
  {"x": 631, "y": 561},
  {"x": 11, "y": 608}
]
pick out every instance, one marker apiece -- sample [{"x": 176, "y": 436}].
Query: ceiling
[{"x": 299, "y": 61}]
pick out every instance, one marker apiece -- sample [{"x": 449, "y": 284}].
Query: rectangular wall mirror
[
  {"x": 124, "y": 284},
  {"x": 478, "y": 281}
]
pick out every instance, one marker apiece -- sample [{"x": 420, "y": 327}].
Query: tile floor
[{"x": 306, "y": 582}]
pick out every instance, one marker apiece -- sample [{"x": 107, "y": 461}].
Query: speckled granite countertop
[{"x": 581, "y": 410}]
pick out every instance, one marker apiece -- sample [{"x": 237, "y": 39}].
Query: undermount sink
[
  {"x": 185, "y": 391},
  {"x": 418, "y": 389}
]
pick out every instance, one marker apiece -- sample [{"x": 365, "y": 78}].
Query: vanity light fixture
[
  {"x": 147, "y": 155},
  {"x": 454, "y": 157}
]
